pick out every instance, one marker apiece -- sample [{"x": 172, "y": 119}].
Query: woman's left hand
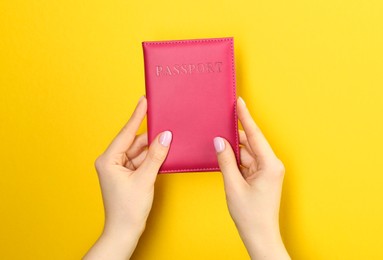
[{"x": 127, "y": 171}]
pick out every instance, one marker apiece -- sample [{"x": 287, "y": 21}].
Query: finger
[
  {"x": 139, "y": 144},
  {"x": 136, "y": 162},
  {"x": 125, "y": 137},
  {"x": 156, "y": 155},
  {"x": 246, "y": 158},
  {"x": 258, "y": 143},
  {"x": 245, "y": 172},
  {"x": 227, "y": 163},
  {"x": 243, "y": 141}
]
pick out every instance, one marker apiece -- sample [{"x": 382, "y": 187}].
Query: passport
[{"x": 191, "y": 91}]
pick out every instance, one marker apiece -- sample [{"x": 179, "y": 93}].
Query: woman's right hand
[{"x": 253, "y": 192}]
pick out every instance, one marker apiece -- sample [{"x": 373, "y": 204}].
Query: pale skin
[{"x": 127, "y": 171}]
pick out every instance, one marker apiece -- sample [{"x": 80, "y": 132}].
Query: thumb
[
  {"x": 227, "y": 162},
  {"x": 158, "y": 150}
]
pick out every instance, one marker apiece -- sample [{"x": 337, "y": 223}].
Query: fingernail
[
  {"x": 165, "y": 138},
  {"x": 243, "y": 101},
  {"x": 141, "y": 98},
  {"x": 219, "y": 144}
]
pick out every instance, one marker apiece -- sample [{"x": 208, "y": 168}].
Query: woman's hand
[
  {"x": 253, "y": 192},
  {"x": 127, "y": 171}
]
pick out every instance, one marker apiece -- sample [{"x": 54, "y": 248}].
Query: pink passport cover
[{"x": 191, "y": 91}]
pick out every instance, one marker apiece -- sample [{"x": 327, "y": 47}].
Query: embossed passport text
[{"x": 191, "y": 91}]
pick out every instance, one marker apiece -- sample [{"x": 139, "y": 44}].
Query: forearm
[
  {"x": 119, "y": 245},
  {"x": 268, "y": 250},
  {"x": 265, "y": 246}
]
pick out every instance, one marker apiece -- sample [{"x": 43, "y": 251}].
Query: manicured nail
[
  {"x": 165, "y": 138},
  {"x": 243, "y": 101},
  {"x": 219, "y": 144}
]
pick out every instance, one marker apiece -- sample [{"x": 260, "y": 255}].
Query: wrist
[
  {"x": 115, "y": 244},
  {"x": 264, "y": 242},
  {"x": 125, "y": 233}
]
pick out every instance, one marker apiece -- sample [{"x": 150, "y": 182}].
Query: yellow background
[{"x": 71, "y": 73}]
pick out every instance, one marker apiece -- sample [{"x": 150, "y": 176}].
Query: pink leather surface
[{"x": 191, "y": 91}]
